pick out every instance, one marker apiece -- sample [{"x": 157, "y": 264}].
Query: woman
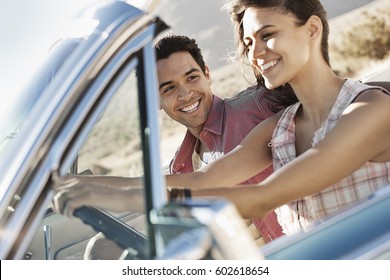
[{"x": 329, "y": 150}]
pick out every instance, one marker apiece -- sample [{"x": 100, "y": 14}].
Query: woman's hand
[{"x": 77, "y": 191}]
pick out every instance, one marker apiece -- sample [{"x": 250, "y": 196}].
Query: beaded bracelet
[{"x": 178, "y": 194}]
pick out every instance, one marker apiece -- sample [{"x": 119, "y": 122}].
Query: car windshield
[{"x": 15, "y": 110}]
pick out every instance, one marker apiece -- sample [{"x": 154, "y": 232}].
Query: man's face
[{"x": 185, "y": 93}]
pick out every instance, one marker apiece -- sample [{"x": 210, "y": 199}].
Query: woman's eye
[{"x": 266, "y": 36}]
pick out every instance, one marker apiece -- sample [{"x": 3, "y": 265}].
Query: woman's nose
[{"x": 258, "y": 50}]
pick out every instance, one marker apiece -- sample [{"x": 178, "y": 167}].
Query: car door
[
  {"x": 113, "y": 147},
  {"x": 97, "y": 112}
]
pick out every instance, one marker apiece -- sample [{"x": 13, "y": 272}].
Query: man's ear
[{"x": 207, "y": 73}]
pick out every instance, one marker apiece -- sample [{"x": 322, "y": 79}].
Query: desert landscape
[
  {"x": 114, "y": 148},
  {"x": 230, "y": 78}
]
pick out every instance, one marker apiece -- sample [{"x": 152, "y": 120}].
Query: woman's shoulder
[
  {"x": 371, "y": 101},
  {"x": 358, "y": 87},
  {"x": 373, "y": 91},
  {"x": 381, "y": 85}
]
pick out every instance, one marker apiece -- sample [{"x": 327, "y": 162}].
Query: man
[{"x": 214, "y": 126}]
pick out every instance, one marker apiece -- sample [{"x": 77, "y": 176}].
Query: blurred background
[
  {"x": 205, "y": 21},
  {"x": 28, "y": 28},
  {"x": 359, "y": 41}
]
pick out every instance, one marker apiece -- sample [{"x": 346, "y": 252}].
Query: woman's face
[{"x": 275, "y": 44}]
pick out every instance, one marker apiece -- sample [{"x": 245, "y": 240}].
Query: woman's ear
[{"x": 315, "y": 27}]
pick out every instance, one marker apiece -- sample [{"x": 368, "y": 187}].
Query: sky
[{"x": 28, "y": 28}]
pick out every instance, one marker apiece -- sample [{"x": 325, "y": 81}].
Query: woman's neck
[{"x": 317, "y": 92}]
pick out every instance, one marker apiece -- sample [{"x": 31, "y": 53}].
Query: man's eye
[
  {"x": 168, "y": 89},
  {"x": 193, "y": 77}
]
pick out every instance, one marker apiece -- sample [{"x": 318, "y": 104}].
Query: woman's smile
[{"x": 268, "y": 66}]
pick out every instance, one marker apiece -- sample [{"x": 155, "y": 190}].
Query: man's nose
[{"x": 185, "y": 94}]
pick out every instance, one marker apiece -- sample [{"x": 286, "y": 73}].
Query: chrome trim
[
  {"x": 159, "y": 196},
  {"x": 342, "y": 236},
  {"x": 47, "y": 231},
  {"x": 35, "y": 154}
]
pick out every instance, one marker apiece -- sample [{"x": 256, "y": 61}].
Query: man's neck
[
  {"x": 201, "y": 148},
  {"x": 196, "y": 131}
]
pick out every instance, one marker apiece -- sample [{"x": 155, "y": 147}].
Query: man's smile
[{"x": 190, "y": 108}]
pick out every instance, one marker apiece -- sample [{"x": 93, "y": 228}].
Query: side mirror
[{"x": 207, "y": 229}]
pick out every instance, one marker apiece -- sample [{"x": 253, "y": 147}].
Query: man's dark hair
[{"x": 177, "y": 43}]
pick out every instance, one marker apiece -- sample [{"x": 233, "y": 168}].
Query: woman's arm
[
  {"x": 248, "y": 159},
  {"x": 121, "y": 193},
  {"x": 362, "y": 134}
]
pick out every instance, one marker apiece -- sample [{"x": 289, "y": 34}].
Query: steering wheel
[{"x": 114, "y": 229}]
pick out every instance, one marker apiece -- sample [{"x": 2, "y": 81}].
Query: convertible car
[{"x": 92, "y": 109}]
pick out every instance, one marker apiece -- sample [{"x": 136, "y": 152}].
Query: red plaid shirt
[{"x": 228, "y": 123}]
